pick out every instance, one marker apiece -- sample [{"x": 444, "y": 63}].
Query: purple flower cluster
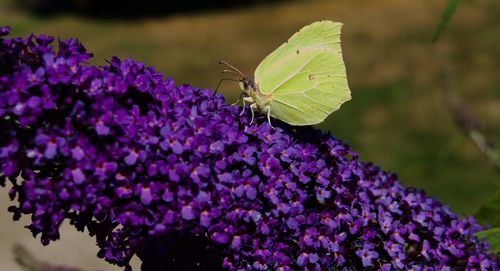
[{"x": 130, "y": 156}]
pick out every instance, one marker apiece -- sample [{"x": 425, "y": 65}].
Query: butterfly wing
[{"x": 305, "y": 76}]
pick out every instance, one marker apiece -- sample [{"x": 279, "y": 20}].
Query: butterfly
[{"x": 301, "y": 82}]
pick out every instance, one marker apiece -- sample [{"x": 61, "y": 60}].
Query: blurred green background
[{"x": 397, "y": 119}]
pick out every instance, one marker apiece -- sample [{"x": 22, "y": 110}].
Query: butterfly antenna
[
  {"x": 229, "y": 71},
  {"x": 232, "y": 68}
]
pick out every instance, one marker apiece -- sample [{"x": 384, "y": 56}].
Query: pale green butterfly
[{"x": 301, "y": 82}]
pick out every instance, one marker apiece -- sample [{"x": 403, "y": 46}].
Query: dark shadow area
[
  {"x": 179, "y": 251},
  {"x": 130, "y": 9}
]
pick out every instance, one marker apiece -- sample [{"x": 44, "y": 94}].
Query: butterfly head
[{"x": 247, "y": 85}]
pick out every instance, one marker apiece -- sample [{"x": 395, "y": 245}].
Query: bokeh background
[{"x": 398, "y": 117}]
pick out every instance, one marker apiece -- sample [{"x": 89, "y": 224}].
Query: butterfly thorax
[{"x": 251, "y": 89}]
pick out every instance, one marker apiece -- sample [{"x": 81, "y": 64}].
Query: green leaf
[
  {"x": 489, "y": 214},
  {"x": 445, "y": 18},
  {"x": 492, "y": 236}
]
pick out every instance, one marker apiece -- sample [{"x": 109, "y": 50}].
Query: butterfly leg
[
  {"x": 267, "y": 109},
  {"x": 243, "y": 108},
  {"x": 246, "y": 100},
  {"x": 253, "y": 107}
]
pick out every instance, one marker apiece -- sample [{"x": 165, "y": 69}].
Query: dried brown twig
[
  {"x": 468, "y": 122},
  {"x": 28, "y": 263}
]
